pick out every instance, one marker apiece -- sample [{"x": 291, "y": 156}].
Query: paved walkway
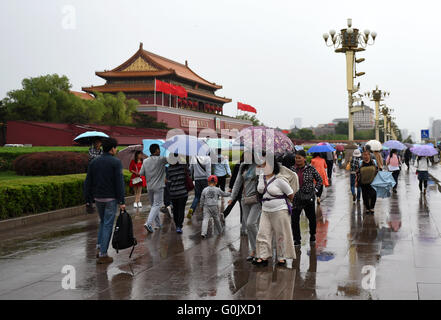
[{"x": 402, "y": 241}]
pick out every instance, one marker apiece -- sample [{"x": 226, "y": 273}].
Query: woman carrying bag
[
  {"x": 137, "y": 182},
  {"x": 394, "y": 165}
]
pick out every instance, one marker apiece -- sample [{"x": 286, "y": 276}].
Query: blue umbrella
[
  {"x": 383, "y": 183},
  {"x": 322, "y": 148},
  {"x": 148, "y": 142},
  {"x": 324, "y": 255},
  {"x": 88, "y": 137},
  {"x": 186, "y": 145},
  {"x": 394, "y": 144}
]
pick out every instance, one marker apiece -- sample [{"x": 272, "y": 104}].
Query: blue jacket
[{"x": 104, "y": 179}]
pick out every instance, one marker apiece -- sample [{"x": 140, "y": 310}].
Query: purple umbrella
[
  {"x": 424, "y": 151},
  {"x": 394, "y": 144},
  {"x": 264, "y": 138}
]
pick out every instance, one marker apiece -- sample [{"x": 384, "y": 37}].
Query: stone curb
[{"x": 53, "y": 215}]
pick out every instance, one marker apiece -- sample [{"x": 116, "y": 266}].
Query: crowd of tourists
[{"x": 272, "y": 191}]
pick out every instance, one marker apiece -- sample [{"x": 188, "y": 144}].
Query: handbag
[
  {"x": 188, "y": 182},
  {"x": 250, "y": 200},
  {"x": 136, "y": 180}
]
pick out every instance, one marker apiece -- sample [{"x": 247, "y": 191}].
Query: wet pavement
[{"x": 401, "y": 243}]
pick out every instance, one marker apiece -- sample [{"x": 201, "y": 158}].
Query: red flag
[
  {"x": 163, "y": 87},
  {"x": 246, "y": 107},
  {"x": 172, "y": 89}
]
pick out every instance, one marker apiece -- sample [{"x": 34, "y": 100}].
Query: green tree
[
  {"x": 302, "y": 134},
  {"x": 342, "y": 128},
  {"x": 251, "y": 118},
  {"x": 143, "y": 120}
]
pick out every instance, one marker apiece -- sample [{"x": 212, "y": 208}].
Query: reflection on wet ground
[{"x": 401, "y": 242}]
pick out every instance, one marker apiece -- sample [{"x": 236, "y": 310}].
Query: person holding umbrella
[
  {"x": 394, "y": 165},
  {"x": 423, "y": 172},
  {"x": 95, "y": 150},
  {"x": 365, "y": 175},
  {"x": 137, "y": 182}
]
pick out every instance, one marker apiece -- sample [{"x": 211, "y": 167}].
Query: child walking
[{"x": 209, "y": 202}]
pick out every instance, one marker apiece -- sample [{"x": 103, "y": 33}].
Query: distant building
[
  {"x": 364, "y": 119},
  {"x": 324, "y": 129},
  {"x": 297, "y": 123},
  {"x": 436, "y": 129},
  {"x": 337, "y": 120}
]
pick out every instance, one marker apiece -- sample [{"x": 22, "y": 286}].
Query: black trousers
[
  {"x": 369, "y": 196},
  {"x": 395, "y": 175},
  {"x": 309, "y": 207},
  {"x": 421, "y": 184},
  {"x": 167, "y": 200},
  {"x": 179, "y": 210},
  {"x": 330, "y": 164},
  {"x": 221, "y": 182}
]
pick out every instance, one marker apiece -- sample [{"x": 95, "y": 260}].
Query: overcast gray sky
[{"x": 269, "y": 54}]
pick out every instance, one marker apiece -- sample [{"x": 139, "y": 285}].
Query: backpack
[
  {"x": 367, "y": 173},
  {"x": 123, "y": 234}
]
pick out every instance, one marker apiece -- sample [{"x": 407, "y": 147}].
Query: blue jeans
[
  {"x": 353, "y": 187},
  {"x": 156, "y": 198},
  {"x": 199, "y": 186},
  {"x": 107, "y": 212}
]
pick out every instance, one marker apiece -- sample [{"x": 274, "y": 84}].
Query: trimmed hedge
[
  {"x": 51, "y": 163},
  {"x": 41, "y": 194}
]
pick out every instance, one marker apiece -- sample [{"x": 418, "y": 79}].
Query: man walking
[
  {"x": 200, "y": 168},
  {"x": 153, "y": 168},
  {"x": 105, "y": 185},
  {"x": 330, "y": 158}
]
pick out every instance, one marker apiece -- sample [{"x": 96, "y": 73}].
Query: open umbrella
[
  {"x": 383, "y": 183},
  {"x": 339, "y": 147},
  {"x": 126, "y": 155},
  {"x": 424, "y": 151},
  {"x": 298, "y": 148},
  {"x": 375, "y": 145},
  {"x": 186, "y": 145},
  {"x": 148, "y": 142},
  {"x": 223, "y": 144},
  {"x": 264, "y": 138},
  {"x": 409, "y": 145},
  {"x": 89, "y": 136},
  {"x": 321, "y": 148},
  {"x": 395, "y": 144}
]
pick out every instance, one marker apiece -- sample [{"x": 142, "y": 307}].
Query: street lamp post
[
  {"x": 386, "y": 122},
  {"x": 349, "y": 41},
  {"x": 377, "y": 96}
]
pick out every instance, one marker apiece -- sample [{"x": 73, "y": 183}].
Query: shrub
[
  {"x": 51, "y": 163},
  {"x": 42, "y": 194}
]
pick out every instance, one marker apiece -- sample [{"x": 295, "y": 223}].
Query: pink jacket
[{"x": 394, "y": 162}]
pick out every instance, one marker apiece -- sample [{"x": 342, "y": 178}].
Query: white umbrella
[{"x": 375, "y": 145}]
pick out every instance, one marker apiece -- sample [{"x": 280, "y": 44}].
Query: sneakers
[
  {"x": 139, "y": 204},
  {"x": 104, "y": 260},
  {"x": 178, "y": 230},
  {"x": 148, "y": 228},
  {"x": 135, "y": 205},
  {"x": 164, "y": 209},
  {"x": 353, "y": 197},
  {"x": 203, "y": 236},
  {"x": 190, "y": 213},
  {"x": 297, "y": 243}
]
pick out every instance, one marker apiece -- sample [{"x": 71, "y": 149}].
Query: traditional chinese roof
[
  {"x": 122, "y": 87},
  {"x": 146, "y": 64},
  {"x": 82, "y": 95}
]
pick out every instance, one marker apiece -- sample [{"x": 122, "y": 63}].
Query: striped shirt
[{"x": 176, "y": 177}]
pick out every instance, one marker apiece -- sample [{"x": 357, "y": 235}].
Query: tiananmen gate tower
[{"x": 136, "y": 79}]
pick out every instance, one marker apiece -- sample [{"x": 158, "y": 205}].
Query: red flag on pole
[
  {"x": 172, "y": 89},
  {"x": 246, "y": 107}
]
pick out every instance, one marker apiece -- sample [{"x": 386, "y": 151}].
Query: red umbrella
[{"x": 339, "y": 147}]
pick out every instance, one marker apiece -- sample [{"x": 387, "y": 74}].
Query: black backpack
[{"x": 123, "y": 234}]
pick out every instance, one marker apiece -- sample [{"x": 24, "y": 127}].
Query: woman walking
[
  {"x": 177, "y": 175},
  {"x": 354, "y": 164},
  {"x": 393, "y": 162},
  {"x": 319, "y": 163},
  {"x": 137, "y": 182},
  {"x": 275, "y": 217},
  {"x": 365, "y": 175},
  {"x": 310, "y": 184},
  {"x": 251, "y": 208},
  {"x": 423, "y": 172}
]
